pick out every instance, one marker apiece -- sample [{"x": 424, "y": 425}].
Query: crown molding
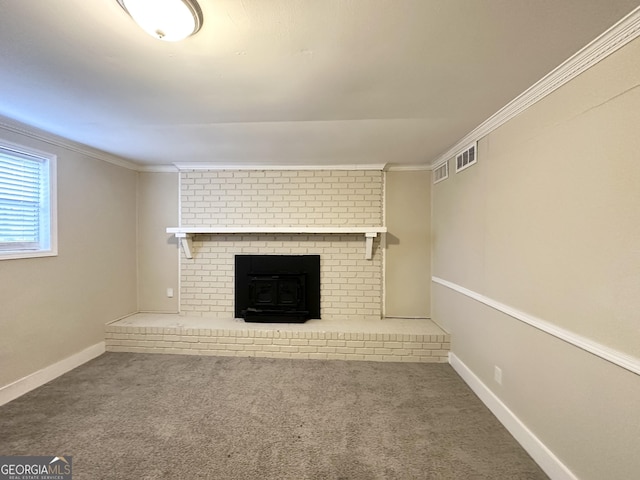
[
  {"x": 408, "y": 168},
  {"x": 158, "y": 169},
  {"x": 441, "y": 161},
  {"x": 611, "y": 40},
  {"x": 40, "y": 135},
  {"x": 219, "y": 166}
]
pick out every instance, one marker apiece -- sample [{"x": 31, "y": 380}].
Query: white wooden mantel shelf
[{"x": 184, "y": 233}]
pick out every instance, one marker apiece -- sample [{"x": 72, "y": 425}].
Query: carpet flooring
[{"x": 142, "y": 416}]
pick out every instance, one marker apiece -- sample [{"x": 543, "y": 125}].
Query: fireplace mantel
[{"x": 184, "y": 234}]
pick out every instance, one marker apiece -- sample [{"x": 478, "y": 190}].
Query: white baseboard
[
  {"x": 552, "y": 466},
  {"x": 36, "y": 379}
]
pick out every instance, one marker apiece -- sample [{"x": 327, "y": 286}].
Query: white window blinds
[{"x": 24, "y": 201}]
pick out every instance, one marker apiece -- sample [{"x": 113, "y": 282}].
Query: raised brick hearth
[{"x": 390, "y": 340}]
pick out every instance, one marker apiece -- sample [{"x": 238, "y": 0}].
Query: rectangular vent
[
  {"x": 467, "y": 157},
  {"x": 441, "y": 172}
]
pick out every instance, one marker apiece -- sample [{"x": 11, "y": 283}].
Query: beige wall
[
  {"x": 51, "y": 308},
  {"x": 157, "y": 250},
  {"x": 408, "y": 250},
  {"x": 548, "y": 222}
]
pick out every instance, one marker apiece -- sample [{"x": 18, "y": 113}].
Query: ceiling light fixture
[{"x": 168, "y": 20}]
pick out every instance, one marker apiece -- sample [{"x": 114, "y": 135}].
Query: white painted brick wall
[
  {"x": 282, "y": 198},
  {"x": 351, "y": 287}
]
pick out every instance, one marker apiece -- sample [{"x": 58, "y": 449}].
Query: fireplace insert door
[{"x": 277, "y": 288}]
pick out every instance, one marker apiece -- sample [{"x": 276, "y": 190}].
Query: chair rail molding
[{"x": 609, "y": 354}]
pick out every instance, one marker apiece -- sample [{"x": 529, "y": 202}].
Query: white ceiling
[{"x": 284, "y": 81}]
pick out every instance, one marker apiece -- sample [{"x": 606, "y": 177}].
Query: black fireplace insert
[{"x": 277, "y": 288}]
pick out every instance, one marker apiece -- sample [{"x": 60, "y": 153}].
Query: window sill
[{"x": 15, "y": 255}]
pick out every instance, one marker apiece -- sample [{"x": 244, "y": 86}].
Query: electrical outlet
[
  {"x": 497, "y": 374},
  {"x": 170, "y": 292}
]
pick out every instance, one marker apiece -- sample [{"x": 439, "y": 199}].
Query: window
[{"x": 27, "y": 202}]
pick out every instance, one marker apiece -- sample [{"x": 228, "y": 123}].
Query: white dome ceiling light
[{"x": 168, "y": 20}]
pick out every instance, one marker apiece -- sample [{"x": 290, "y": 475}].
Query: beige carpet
[{"x": 137, "y": 416}]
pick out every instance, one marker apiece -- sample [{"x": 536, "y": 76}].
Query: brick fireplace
[
  {"x": 351, "y": 285},
  {"x": 330, "y": 213}
]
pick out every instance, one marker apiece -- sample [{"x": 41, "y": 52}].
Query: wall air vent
[
  {"x": 441, "y": 172},
  {"x": 467, "y": 157}
]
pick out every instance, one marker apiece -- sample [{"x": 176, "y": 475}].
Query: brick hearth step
[{"x": 387, "y": 340}]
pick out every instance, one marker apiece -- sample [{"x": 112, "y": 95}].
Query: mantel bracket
[
  {"x": 185, "y": 241},
  {"x": 368, "y": 247}
]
